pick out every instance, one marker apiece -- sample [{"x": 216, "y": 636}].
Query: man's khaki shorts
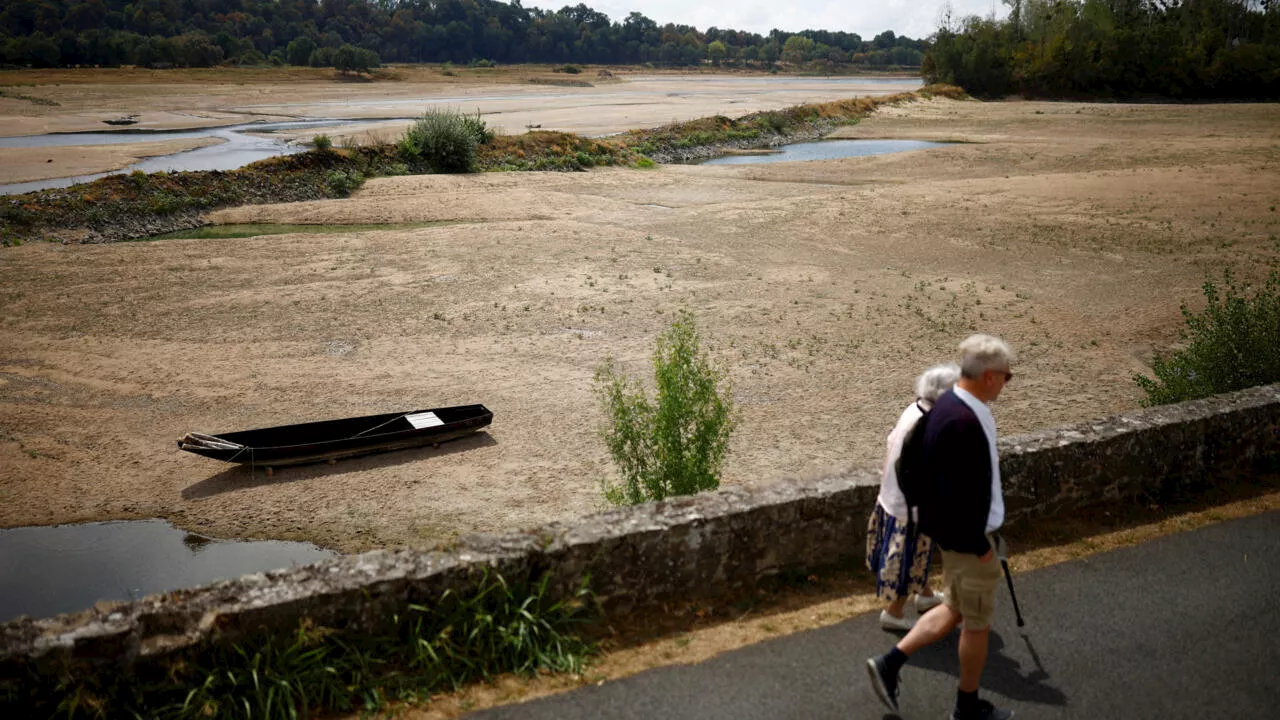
[{"x": 970, "y": 587}]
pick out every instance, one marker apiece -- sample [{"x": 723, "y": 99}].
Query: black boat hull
[{"x": 340, "y": 439}]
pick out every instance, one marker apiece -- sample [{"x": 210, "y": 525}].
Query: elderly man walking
[{"x": 959, "y": 459}]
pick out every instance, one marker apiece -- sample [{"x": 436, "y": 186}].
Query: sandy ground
[
  {"x": 24, "y": 164},
  {"x": 506, "y": 99},
  {"x": 1073, "y": 230}
]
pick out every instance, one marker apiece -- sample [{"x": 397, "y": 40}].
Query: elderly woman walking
[{"x": 896, "y": 552}]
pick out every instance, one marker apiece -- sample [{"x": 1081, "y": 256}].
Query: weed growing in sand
[
  {"x": 1233, "y": 344},
  {"x": 498, "y": 627},
  {"x": 675, "y": 443},
  {"x": 445, "y": 141}
]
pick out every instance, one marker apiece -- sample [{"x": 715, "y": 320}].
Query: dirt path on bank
[{"x": 1074, "y": 231}]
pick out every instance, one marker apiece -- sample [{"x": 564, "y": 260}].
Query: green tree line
[
  {"x": 1180, "y": 49},
  {"x": 202, "y": 33}
]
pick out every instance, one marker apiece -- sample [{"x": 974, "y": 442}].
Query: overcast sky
[{"x": 868, "y": 18}]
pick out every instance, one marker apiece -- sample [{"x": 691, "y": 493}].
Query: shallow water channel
[
  {"x": 825, "y": 150},
  {"x": 241, "y": 145},
  {"x": 64, "y": 568},
  {"x": 239, "y": 148}
]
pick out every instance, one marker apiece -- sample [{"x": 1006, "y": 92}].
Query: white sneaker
[
  {"x": 889, "y": 622},
  {"x": 925, "y": 603}
]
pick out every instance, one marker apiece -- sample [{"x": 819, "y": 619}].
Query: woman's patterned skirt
[{"x": 900, "y": 561}]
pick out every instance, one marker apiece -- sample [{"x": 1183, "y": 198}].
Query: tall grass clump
[
  {"x": 1234, "y": 343},
  {"x": 675, "y": 443},
  {"x": 445, "y": 141},
  {"x": 496, "y": 628}
]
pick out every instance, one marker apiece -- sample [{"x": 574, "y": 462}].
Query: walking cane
[{"x": 1002, "y": 551}]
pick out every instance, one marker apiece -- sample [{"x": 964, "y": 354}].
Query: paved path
[{"x": 1185, "y": 626}]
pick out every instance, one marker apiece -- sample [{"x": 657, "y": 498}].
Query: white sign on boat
[{"x": 424, "y": 420}]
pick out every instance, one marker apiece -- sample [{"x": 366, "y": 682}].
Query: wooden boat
[{"x": 335, "y": 439}]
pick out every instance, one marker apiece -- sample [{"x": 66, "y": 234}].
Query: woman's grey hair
[
  {"x": 936, "y": 380},
  {"x": 980, "y": 353}
]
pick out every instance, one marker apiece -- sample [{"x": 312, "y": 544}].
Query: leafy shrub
[
  {"x": 352, "y": 59},
  {"x": 321, "y": 57},
  {"x": 407, "y": 148},
  {"x": 645, "y": 163},
  {"x": 477, "y": 127},
  {"x": 162, "y": 202},
  {"x": 343, "y": 183},
  {"x": 445, "y": 140},
  {"x": 14, "y": 214},
  {"x": 298, "y": 52},
  {"x": 1233, "y": 344},
  {"x": 773, "y": 121},
  {"x": 570, "y": 69},
  {"x": 251, "y": 57},
  {"x": 674, "y": 444},
  {"x": 323, "y": 143}
]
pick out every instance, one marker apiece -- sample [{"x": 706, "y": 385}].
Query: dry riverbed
[
  {"x": 1073, "y": 230},
  {"x": 26, "y": 164},
  {"x": 509, "y": 98}
]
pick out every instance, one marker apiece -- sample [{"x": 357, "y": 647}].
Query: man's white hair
[
  {"x": 936, "y": 380},
  {"x": 980, "y": 353}
]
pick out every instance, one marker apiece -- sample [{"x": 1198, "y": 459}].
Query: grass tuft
[{"x": 497, "y": 628}]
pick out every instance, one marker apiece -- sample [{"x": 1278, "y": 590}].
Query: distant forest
[
  {"x": 1181, "y": 49},
  {"x": 362, "y": 33}
]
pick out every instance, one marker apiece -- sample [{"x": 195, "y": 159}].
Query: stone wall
[{"x": 692, "y": 548}]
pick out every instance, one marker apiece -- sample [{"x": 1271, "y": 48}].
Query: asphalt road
[{"x": 1180, "y": 627}]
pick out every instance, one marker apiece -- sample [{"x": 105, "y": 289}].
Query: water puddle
[
  {"x": 241, "y": 145},
  {"x": 825, "y": 150},
  {"x": 64, "y": 568}
]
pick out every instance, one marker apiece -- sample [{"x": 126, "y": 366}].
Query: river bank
[{"x": 141, "y": 205}]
